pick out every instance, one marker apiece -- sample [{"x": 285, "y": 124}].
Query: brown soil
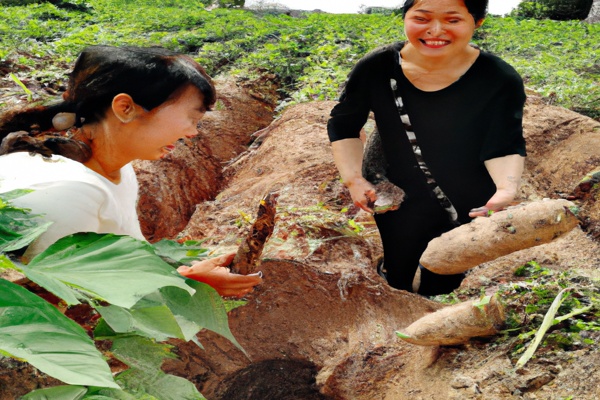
[{"x": 323, "y": 323}]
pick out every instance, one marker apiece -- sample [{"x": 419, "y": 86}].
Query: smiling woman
[
  {"x": 122, "y": 104},
  {"x": 449, "y": 124}
]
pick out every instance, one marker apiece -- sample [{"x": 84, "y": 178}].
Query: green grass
[{"x": 310, "y": 56}]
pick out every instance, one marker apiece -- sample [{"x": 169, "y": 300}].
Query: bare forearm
[
  {"x": 348, "y": 156},
  {"x": 506, "y": 172}
]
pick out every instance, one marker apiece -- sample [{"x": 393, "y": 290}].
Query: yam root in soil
[
  {"x": 504, "y": 232},
  {"x": 457, "y": 324},
  {"x": 248, "y": 255}
]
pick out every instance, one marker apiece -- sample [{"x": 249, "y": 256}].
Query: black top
[{"x": 477, "y": 118}]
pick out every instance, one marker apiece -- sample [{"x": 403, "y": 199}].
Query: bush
[{"x": 558, "y": 10}]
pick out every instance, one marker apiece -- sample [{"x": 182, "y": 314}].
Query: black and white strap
[{"x": 440, "y": 195}]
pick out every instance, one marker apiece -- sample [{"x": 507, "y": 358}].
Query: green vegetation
[
  {"x": 131, "y": 297},
  {"x": 576, "y": 323},
  {"x": 530, "y": 298},
  {"x": 309, "y": 56},
  {"x": 560, "y": 10}
]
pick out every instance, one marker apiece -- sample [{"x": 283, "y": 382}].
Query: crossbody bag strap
[{"x": 439, "y": 193}]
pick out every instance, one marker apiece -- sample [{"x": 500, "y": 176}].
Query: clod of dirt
[{"x": 389, "y": 197}]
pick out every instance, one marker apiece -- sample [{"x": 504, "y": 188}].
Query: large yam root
[
  {"x": 456, "y": 324},
  {"x": 504, "y": 232}
]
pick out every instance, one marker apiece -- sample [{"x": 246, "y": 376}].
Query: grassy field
[{"x": 310, "y": 55}]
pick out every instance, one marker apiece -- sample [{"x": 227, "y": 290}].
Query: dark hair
[
  {"x": 149, "y": 75},
  {"x": 477, "y": 8}
]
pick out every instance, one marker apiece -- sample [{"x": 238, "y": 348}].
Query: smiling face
[
  {"x": 159, "y": 129},
  {"x": 439, "y": 28}
]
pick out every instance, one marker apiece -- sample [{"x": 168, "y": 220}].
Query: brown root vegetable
[
  {"x": 504, "y": 232},
  {"x": 456, "y": 324},
  {"x": 248, "y": 255}
]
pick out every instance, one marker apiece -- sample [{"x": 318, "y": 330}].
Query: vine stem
[{"x": 548, "y": 321}]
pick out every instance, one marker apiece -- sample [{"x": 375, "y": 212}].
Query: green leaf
[
  {"x": 57, "y": 393},
  {"x": 33, "y": 330},
  {"x": 205, "y": 309},
  {"x": 25, "y": 89},
  {"x": 159, "y": 385},
  {"x": 170, "y": 313},
  {"x": 18, "y": 228},
  {"x": 482, "y": 302},
  {"x": 117, "y": 269},
  {"x": 402, "y": 335},
  {"x": 156, "y": 322},
  {"x": 180, "y": 253},
  {"x": 13, "y": 194},
  {"x": 82, "y": 393},
  {"x": 141, "y": 353},
  {"x": 145, "y": 376},
  {"x": 5, "y": 262}
]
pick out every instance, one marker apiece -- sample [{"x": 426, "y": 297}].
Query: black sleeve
[
  {"x": 351, "y": 113},
  {"x": 504, "y": 135}
]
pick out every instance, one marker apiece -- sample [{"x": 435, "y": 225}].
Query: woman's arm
[
  {"x": 506, "y": 173},
  {"x": 348, "y": 156}
]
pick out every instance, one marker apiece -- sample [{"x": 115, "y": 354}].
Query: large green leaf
[
  {"x": 170, "y": 313},
  {"x": 82, "y": 393},
  {"x": 145, "y": 358},
  {"x": 18, "y": 228},
  {"x": 141, "y": 353},
  {"x": 155, "y": 321},
  {"x": 205, "y": 309},
  {"x": 117, "y": 269},
  {"x": 33, "y": 330},
  {"x": 160, "y": 385},
  {"x": 58, "y": 393}
]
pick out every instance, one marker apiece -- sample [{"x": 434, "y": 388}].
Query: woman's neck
[
  {"x": 113, "y": 175},
  {"x": 103, "y": 160},
  {"x": 435, "y": 73}
]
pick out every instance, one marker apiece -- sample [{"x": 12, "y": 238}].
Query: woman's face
[
  {"x": 439, "y": 28},
  {"x": 160, "y": 128}
]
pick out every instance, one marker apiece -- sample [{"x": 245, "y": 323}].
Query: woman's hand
[
  {"x": 363, "y": 193},
  {"x": 506, "y": 173},
  {"x": 499, "y": 201},
  {"x": 348, "y": 155},
  {"x": 214, "y": 273}
]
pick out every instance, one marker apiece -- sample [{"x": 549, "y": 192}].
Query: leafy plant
[
  {"x": 560, "y": 10},
  {"x": 18, "y": 227},
  {"x": 135, "y": 298},
  {"x": 310, "y": 56}
]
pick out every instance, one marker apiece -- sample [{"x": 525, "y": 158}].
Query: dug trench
[{"x": 323, "y": 323}]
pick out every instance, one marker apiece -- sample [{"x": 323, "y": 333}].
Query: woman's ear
[
  {"x": 125, "y": 108},
  {"x": 479, "y": 23}
]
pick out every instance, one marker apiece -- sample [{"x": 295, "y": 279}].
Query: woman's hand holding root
[{"x": 215, "y": 273}]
